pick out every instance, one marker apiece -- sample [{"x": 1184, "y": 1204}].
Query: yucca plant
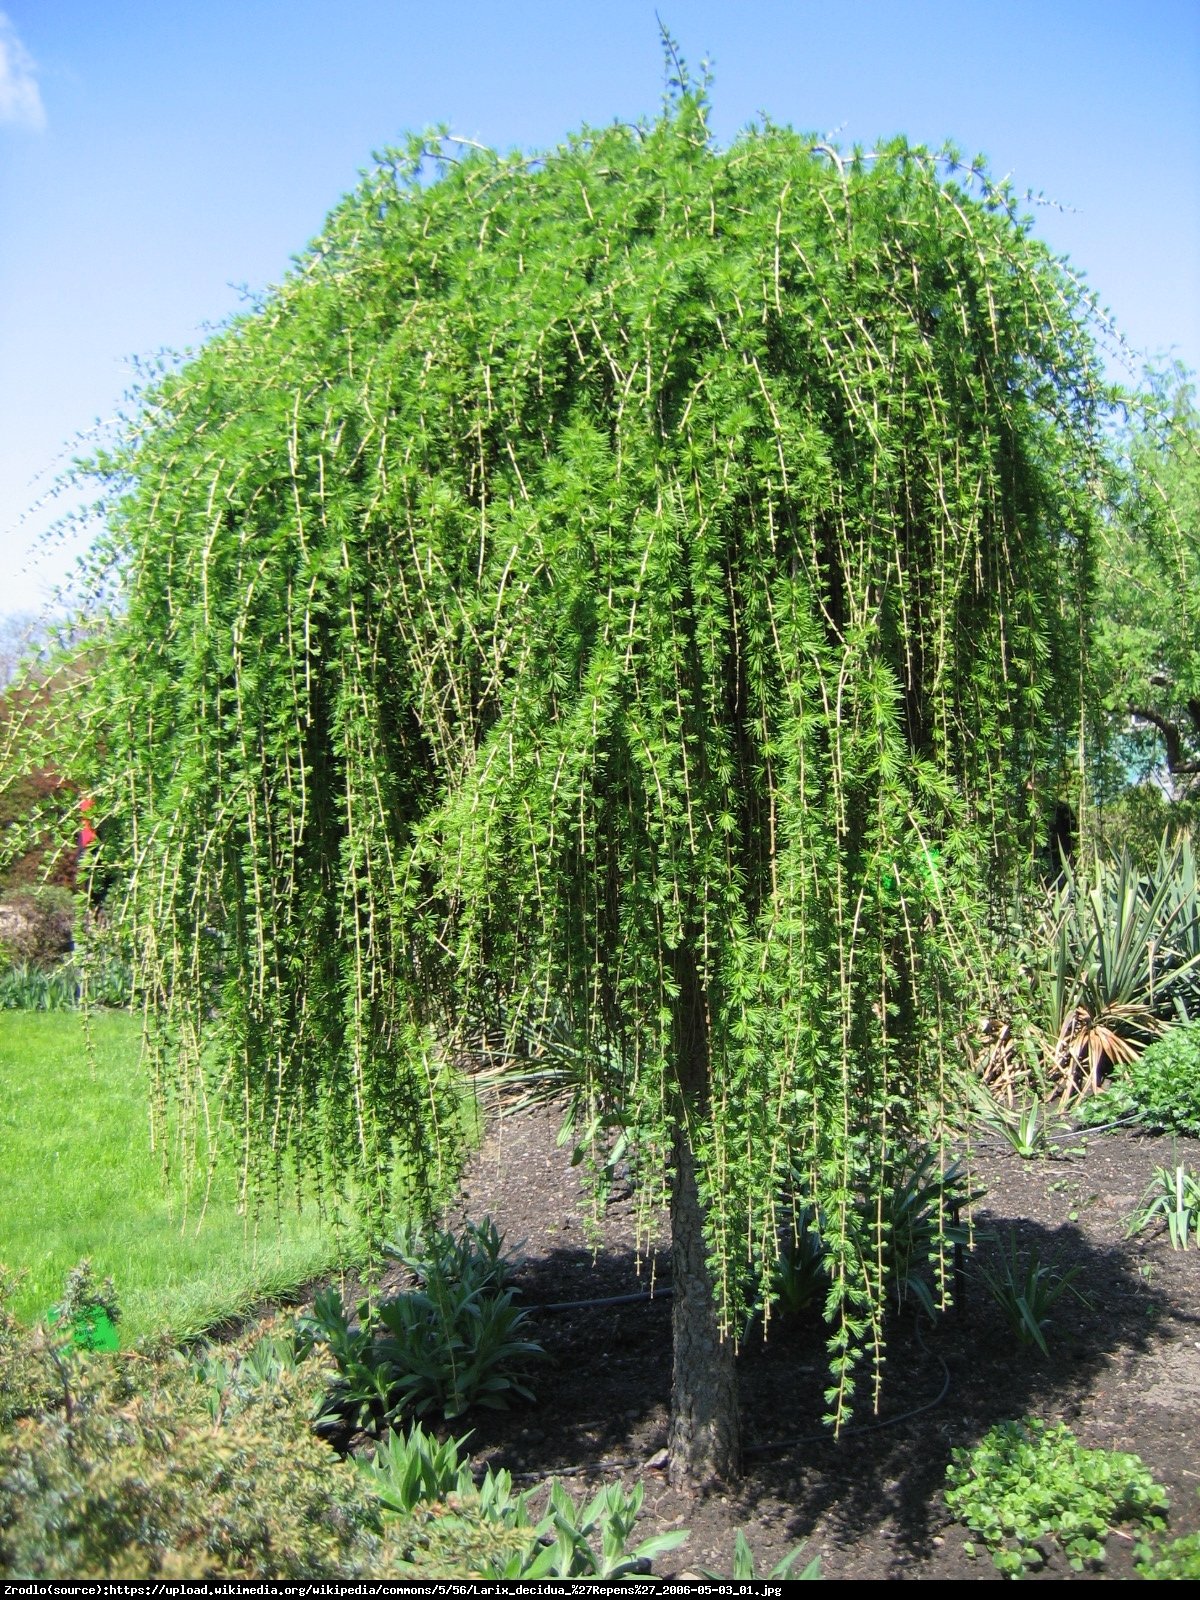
[
  {"x": 1120, "y": 956},
  {"x": 1179, "y": 964}
]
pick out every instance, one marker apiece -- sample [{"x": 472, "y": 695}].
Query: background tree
[
  {"x": 33, "y": 796},
  {"x": 641, "y": 582},
  {"x": 1148, "y": 620}
]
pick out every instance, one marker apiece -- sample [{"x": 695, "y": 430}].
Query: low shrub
[
  {"x": 37, "y": 926},
  {"x": 455, "y": 1341},
  {"x": 28, "y": 1380},
  {"x": 1174, "y": 1195},
  {"x": 1027, "y": 1481},
  {"x": 1162, "y": 1087},
  {"x": 124, "y": 1469}
]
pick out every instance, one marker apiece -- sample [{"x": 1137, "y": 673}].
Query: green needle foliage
[{"x": 643, "y": 577}]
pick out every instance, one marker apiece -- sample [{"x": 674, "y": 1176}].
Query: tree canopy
[{"x": 642, "y": 581}]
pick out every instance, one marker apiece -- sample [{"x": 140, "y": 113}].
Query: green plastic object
[
  {"x": 926, "y": 862},
  {"x": 90, "y": 1330}
]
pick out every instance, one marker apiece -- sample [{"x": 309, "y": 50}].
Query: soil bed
[{"x": 1123, "y": 1372}]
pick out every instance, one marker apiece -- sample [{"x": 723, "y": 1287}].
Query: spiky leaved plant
[{"x": 644, "y": 575}]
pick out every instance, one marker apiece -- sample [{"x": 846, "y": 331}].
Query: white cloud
[{"x": 20, "y": 98}]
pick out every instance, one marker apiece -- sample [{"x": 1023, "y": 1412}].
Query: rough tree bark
[{"x": 704, "y": 1442}]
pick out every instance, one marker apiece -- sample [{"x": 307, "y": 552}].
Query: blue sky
[{"x": 154, "y": 154}]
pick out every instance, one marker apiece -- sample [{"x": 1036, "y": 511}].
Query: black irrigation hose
[
  {"x": 608, "y": 1300},
  {"x": 773, "y": 1444}
]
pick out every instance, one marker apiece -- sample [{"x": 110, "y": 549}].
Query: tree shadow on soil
[
  {"x": 943, "y": 1388},
  {"x": 603, "y": 1390}
]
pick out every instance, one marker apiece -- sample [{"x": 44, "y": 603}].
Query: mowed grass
[{"x": 78, "y": 1178}]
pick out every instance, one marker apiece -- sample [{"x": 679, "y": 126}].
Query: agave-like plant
[
  {"x": 1179, "y": 967},
  {"x": 1124, "y": 960}
]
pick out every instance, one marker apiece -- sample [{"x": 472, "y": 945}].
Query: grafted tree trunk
[{"x": 704, "y": 1443}]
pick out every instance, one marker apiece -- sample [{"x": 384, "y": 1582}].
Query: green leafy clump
[
  {"x": 455, "y": 1341},
  {"x": 591, "y": 1539},
  {"x": 88, "y": 1310},
  {"x": 1030, "y": 1481},
  {"x": 28, "y": 1380},
  {"x": 412, "y": 1468},
  {"x": 37, "y": 926},
  {"x": 1162, "y": 1087},
  {"x": 911, "y": 1232},
  {"x": 1174, "y": 1195},
  {"x": 29, "y": 988},
  {"x": 743, "y": 1564},
  {"x": 142, "y": 1479},
  {"x": 493, "y": 1532},
  {"x": 1024, "y": 1129},
  {"x": 1175, "y": 1559},
  {"x": 1026, "y": 1289},
  {"x": 1115, "y": 958}
]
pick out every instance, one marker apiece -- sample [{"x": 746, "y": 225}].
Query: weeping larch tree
[{"x": 641, "y": 581}]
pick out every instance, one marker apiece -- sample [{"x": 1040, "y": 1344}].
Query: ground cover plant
[
  {"x": 642, "y": 581},
  {"x": 1160, "y": 1089},
  {"x": 1025, "y": 1482},
  {"x": 78, "y": 1178}
]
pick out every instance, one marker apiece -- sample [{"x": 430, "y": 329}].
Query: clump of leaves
[
  {"x": 429, "y": 1484},
  {"x": 24, "y": 987},
  {"x": 1025, "y": 1130},
  {"x": 800, "y": 1278},
  {"x": 229, "y": 1377},
  {"x": 28, "y": 1378},
  {"x": 1162, "y": 1087},
  {"x": 455, "y": 1341},
  {"x": 743, "y": 1564},
  {"x": 1173, "y": 1194},
  {"x": 415, "y": 1467},
  {"x": 88, "y": 1309},
  {"x": 37, "y": 926},
  {"x": 910, "y": 1230},
  {"x": 924, "y": 1205},
  {"x": 1029, "y": 1481},
  {"x": 591, "y": 1539},
  {"x": 147, "y": 1479},
  {"x": 1120, "y": 962},
  {"x": 1027, "y": 1289},
  {"x": 1173, "y": 1560}
]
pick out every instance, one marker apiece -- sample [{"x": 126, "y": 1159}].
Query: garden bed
[{"x": 1123, "y": 1372}]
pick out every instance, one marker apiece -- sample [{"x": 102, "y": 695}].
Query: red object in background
[{"x": 87, "y": 834}]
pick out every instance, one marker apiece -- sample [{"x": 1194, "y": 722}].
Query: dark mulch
[{"x": 1123, "y": 1373}]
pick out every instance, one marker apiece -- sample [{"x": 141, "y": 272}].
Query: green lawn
[{"x": 78, "y": 1178}]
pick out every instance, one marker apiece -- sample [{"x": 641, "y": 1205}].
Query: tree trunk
[{"x": 703, "y": 1444}]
